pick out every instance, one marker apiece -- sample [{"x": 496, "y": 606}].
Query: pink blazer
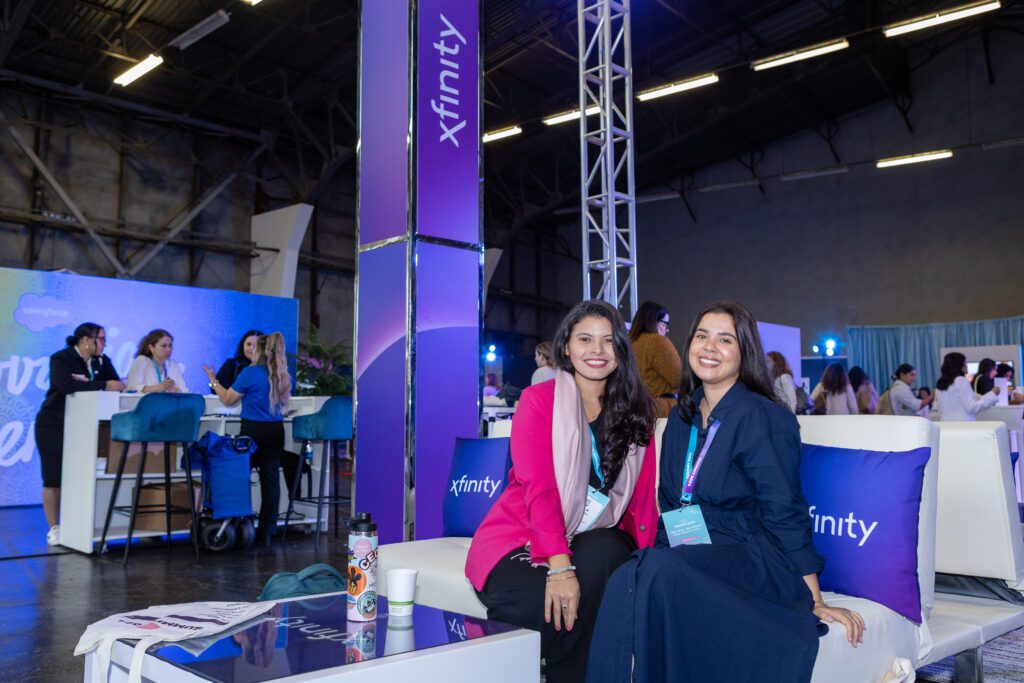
[{"x": 530, "y": 508}]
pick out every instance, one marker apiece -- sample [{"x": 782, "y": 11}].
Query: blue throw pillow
[
  {"x": 864, "y": 508},
  {"x": 478, "y": 476}
]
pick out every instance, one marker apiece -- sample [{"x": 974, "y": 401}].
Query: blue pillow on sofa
[
  {"x": 478, "y": 475},
  {"x": 864, "y": 508}
]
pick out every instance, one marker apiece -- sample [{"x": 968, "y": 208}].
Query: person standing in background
[
  {"x": 1005, "y": 371},
  {"x": 955, "y": 399},
  {"x": 101, "y": 363},
  {"x": 985, "y": 378},
  {"x": 153, "y": 370},
  {"x": 72, "y": 369},
  {"x": 864, "y": 390},
  {"x": 656, "y": 357},
  {"x": 833, "y": 395},
  {"x": 545, "y": 360},
  {"x": 782, "y": 379},
  {"x": 491, "y": 385},
  {"x": 245, "y": 355},
  {"x": 264, "y": 389},
  {"x": 900, "y": 395}
]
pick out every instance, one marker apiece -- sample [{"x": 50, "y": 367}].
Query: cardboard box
[
  {"x": 153, "y": 494},
  {"x": 111, "y": 450}
]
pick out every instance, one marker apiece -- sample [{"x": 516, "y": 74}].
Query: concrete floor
[{"x": 47, "y": 601}]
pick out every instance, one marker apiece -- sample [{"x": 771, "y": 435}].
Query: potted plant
[{"x": 323, "y": 368}]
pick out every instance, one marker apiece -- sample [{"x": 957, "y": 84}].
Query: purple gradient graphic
[
  {"x": 383, "y": 120},
  {"x": 447, "y": 123},
  {"x": 380, "y": 389},
  {"x": 447, "y": 371}
]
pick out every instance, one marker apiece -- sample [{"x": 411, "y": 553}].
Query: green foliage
[{"x": 323, "y": 368}]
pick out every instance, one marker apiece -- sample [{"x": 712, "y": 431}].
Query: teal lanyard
[
  {"x": 159, "y": 375},
  {"x": 594, "y": 458},
  {"x": 690, "y": 470},
  {"x": 88, "y": 368}
]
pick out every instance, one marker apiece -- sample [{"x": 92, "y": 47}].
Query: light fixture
[
  {"x": 914, "y": 158},
  {"x": 830, "y": 352},
  {"x": 490, "y": 357},
  {"x": 729, "y": 186},
  {"x": 678, "y": 86},
  {"x": 491, "y": 348},
  {"x": 814, "y": 173},
  {"x": 830, "y": 344},
  {"x": 252, "y": 2},
  {"x": 801, "y": 54},
  {"x": 815, "y": 349},
  {"x": 946, "y": 16},
  {"x": 503, "y": 133},
  {"x": 569, "y": 116},
  {"x": 201, "y": 30},
  {"x": 139, "y": 70}
]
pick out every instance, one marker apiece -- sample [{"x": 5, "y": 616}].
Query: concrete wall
[
  {"x": 162, "y": 166},
  {"x": 940, "y": 241}
]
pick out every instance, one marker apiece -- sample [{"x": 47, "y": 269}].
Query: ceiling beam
[{"x": 22, "y": 10}]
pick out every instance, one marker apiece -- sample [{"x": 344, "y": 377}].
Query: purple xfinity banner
[
  {"x": 865, "y": 508},
  {"x": 447, "y": 120}
]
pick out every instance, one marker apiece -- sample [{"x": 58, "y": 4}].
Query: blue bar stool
[
  {"x": 333, "y": 422},
  {"x": 167, "y": 418}
]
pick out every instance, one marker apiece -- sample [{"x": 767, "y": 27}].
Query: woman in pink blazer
[{"x": 580, "y": 496}]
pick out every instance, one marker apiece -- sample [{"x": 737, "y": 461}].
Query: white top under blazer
[{"x": 145, "y": 372}]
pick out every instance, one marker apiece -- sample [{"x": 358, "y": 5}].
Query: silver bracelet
[{"x": 562, "y": 570}]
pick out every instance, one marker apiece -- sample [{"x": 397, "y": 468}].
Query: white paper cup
[{"x": 401, "y": 591}]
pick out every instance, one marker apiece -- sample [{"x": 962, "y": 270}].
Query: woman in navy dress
[{"x": 744, "y": 605}]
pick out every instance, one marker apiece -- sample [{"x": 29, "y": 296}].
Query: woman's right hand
[
  {"x": 167, "y": 384},
  {"x": 995, "y": 390},
  {"x": 562, "y": 599},
  {"x": 115, "y": 385}
]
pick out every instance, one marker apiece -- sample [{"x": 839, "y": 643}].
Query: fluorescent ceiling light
[
  {"x": 729, "y": 186},
  {"x": 139, "y": 70},
  {"x": 201, "y": 30},
  {"x": 914, "y": 158},
  {"x": 503, "y": 133},
  {"x": 801, "y": 54},
  {"x": 938, "y": 18},
  {"x": 678, "y": 86},
  {"x": 569, "y": 116},
  {"x": 252, "y": 2},
  {"x": 814, "y": 173}
]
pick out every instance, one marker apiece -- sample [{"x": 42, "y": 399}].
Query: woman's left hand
[
  {"x": 210, "y": 373},
  {"x": 851, "y": 621}
]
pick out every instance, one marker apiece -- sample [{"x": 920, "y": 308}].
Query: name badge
[
  {"x": 686, "y": 526},
  {"x": 596, "y": 503}
]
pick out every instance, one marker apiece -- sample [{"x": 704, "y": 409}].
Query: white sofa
[{"x": 953, "y": 625}]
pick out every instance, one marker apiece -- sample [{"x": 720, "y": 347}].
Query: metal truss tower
[{"x": 608, "y": 189}]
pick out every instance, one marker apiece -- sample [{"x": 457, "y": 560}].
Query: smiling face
[
  {"x": 715, "y": 351},
  {"x": 162, "y": 349},
  {"x": 249, "y": 348},
  {"x": 591, "y": 349}
]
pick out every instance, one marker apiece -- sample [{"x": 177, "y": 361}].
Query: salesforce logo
[
  {"x": 37, "y": 313},
  {"x": 467, "y": 485},
  {"x": 843, "y": 527}
]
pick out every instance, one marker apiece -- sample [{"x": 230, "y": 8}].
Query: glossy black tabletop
[{"x": 313, "y": 635}]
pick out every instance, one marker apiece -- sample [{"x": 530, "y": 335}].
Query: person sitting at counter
[
  {"x": 263, "y": 388},
  {"x": 72, "y": 369},
  {"x": 245, "y": 355},
  {"x": 153, "y": 370}
]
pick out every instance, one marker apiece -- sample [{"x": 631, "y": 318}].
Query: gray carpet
[{"x": 1003, "y": 660}]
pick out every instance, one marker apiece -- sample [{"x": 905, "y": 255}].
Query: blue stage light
[
  {"x": 815, "y": 348},
  {"x": 830, "y": 344},
  {"x": 491, "y": 348},
  {"x": 830, "y": 352},
  {"x": 490, "y": 356}
]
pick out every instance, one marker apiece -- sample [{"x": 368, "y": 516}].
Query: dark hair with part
[
  {"x": 986, "y": 366},
  {"x": 753, "y": 367},
  {"x": 834, "y": 380},
  {"x": 857, "y": 376},
  {"x": 952, "y": 367},
  {"x": 84, "y": 330},
  {"x": 627, "y": 407},
  {"x": 240, "y": 351},
  {"x": 1004, "y": 369},
  {"x": 778, "y": 366},
  {"x": 152, "y": 338},
  {"x": 646, "y": 320},
  {"x": 902, "y": 370}
]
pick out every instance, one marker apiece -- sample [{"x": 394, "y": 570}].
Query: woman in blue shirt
[
  {"x": 730, "y": 590},
  {"x": 263, "y": 388}
]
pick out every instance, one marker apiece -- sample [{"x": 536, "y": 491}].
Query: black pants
[
  {"x": 50, "y": 443},
  {"x": 514, "y": 594},
  {"x": 269, "y": 438}
]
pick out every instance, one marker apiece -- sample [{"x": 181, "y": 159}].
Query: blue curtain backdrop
[{"x": 881, "y": 349}]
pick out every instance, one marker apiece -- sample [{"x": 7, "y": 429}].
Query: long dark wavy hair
[
  {"x": 753, "y": 367},
  {"x": 240, "y": 351},
  {"x": 857, "y": 376},
  {"x": 952, "y": 367},
  {"x": 646, "y": 320},
  {"x": 626, "y": 405},
  {"x": 834, "y": 380}
]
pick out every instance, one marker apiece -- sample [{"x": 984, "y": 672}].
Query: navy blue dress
[{"x": 737, "y": 609}]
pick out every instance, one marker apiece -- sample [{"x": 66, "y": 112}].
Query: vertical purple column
[{"x": 420, "y": 256}]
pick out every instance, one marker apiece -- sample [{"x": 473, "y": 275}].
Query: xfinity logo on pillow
[
  {"x": 833, "y": 526},
  {"x": 467, "y": 485}
]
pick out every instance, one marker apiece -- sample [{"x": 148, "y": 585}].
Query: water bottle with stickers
[{"x": 362, "y": 568}]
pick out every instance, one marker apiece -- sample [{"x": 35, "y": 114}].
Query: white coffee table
[{"x": 311, "y": 640}]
